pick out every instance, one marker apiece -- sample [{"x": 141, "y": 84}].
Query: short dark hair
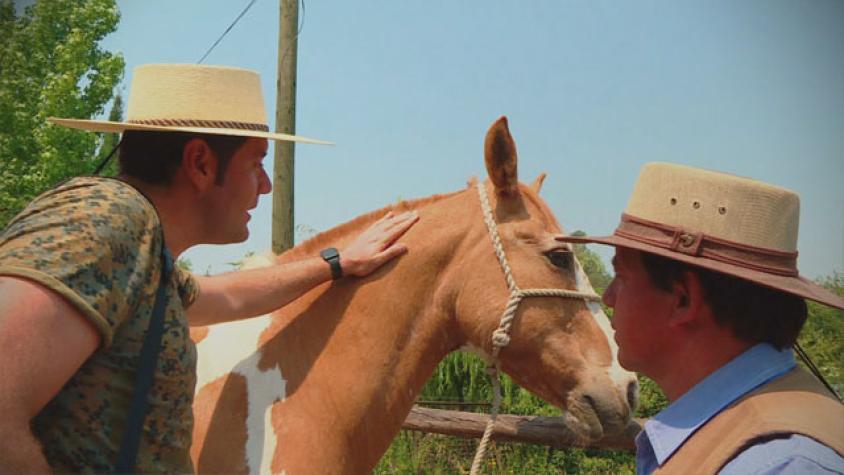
[
  {"x": 153, "y": 157},
  {"x": 754, "y": 313}
]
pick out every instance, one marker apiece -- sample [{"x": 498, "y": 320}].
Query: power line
[
  {"x": 252, "y": 2},
  {"x": 298, "y": 32}
]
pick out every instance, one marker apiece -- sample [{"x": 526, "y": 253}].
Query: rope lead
[{"x": 501, "y": 336}]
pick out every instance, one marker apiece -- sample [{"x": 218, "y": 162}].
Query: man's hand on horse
[{"x": 377, "y": 245}]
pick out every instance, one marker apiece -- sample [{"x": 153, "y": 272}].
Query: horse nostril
[
  {"x": 633, "y": 394},
  {"x": 588, "y": 399}
]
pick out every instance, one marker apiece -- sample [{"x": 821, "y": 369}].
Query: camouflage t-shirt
[{"x": 97, "y": 243}]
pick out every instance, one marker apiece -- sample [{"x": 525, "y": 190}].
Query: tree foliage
[
  {"x": 823, "y": 335},
  {"x": 111, "y": 141},
  {"x": 592, "y": 265},
  {"x": 51, "y": 65}
]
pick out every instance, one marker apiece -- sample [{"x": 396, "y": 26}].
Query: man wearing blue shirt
[{"x": 707, "y": 302}]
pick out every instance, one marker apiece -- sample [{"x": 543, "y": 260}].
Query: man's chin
[
  {"x": 242, "y": 237},
  {"x": 231, "y": 238},
  {"x": 628, "y": 364}
]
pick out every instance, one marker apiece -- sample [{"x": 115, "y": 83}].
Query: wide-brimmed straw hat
[
  {"x": 725, "y": 223},
  {"x": 194, "y": 98}
]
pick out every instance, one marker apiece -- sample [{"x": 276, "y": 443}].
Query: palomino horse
[{"x": 324, "y": 384}]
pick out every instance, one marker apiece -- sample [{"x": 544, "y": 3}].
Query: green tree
[
  {"x": 592, "y": 265},
  {"x": 823, "y": 335},
  {"x": 110, "y": 141},
  {"x": 185, "y": 264},
  {"x": 51, "y": 65}
]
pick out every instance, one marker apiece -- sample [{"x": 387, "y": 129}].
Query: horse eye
[{"x": 561, "y": 258}]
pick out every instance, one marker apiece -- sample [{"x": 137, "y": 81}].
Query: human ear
[
  {"x": 688, "y": 299},
  {"x": 199, "y": 164}
]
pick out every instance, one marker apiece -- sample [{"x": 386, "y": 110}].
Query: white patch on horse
[
  {"x": 618, "y": 375},
  {"x": 265, "y": 388},
  {"x": 233, "y": 348},
  {"x": 226, "y": 346}
]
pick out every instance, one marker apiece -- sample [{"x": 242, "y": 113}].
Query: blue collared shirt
[{"x": 668, "y": 430}]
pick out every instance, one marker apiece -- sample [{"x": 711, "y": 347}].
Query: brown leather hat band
[
  {"x": 700, "y": 245},
  {"x": 210, "y": 124}
]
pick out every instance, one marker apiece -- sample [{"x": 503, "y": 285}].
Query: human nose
[
  {"x": 609, "y": 294},
  {"x": 265, "y": 185}
]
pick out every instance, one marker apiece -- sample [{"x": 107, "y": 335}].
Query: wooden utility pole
[{"x": 285, "y": 122}]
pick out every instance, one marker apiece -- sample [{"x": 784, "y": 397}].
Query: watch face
[{"x": 332, "y": 257}]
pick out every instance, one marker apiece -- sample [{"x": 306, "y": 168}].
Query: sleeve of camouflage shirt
[
  {"x": 187, "y": 285},
  {"x": 94, "y": 241}
]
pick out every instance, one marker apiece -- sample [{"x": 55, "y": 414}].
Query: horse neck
[{"x": 375, "y": 339}]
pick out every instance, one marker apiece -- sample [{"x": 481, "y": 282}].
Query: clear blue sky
[{"x": 592, "y": 89}]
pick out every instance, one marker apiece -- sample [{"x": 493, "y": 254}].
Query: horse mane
[
  {"x": 321, "y": 240},
  {"x": 534, "y": 198},
  {"x": 325, "y": 238}
]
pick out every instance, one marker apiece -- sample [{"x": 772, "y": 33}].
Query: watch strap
[{"x": 332, "y": 257}]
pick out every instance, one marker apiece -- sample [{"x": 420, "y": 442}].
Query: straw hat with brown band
[
  {"x": 192, "y": 98},
  {"x": 725, "y": 223}
]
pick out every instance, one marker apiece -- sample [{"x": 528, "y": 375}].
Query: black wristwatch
[{"x": 332, "y": 257}]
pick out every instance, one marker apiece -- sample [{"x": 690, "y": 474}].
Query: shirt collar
[{"x": 669, "y": 429}]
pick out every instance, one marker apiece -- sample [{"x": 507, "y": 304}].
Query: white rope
[
  {"x": 496, "y": 238},
  {"x": 501, "y": 336}
]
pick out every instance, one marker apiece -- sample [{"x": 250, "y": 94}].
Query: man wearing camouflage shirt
[{"x": 80, "y": 267}]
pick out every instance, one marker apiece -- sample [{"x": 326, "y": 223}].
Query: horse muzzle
[{"x": 602, "y": 408}]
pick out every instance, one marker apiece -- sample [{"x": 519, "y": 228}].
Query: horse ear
[
  {"x": 500, "y": 157},
  {"x": 537, "y": 184}
]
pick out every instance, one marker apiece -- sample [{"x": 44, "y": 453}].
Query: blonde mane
[
  {"x": 357, "y": 224},
  {"x": 322, "y": 239},
  {"x": 545, "y": 210}
]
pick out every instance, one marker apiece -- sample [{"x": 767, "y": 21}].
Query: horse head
[{"x": 560, "y": 347}]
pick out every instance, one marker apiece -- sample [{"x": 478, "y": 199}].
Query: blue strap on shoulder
[{"x": 146, "y": 369}]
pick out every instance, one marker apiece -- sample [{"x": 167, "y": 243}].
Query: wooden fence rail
[{"x": 550, "y": 431}]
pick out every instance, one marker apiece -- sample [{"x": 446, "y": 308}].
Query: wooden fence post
[{"x": 550, "y": 431}]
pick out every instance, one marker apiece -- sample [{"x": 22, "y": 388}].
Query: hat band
[
  {"x": 209, "y": 124},
  {"x": 698, "y": 244}
]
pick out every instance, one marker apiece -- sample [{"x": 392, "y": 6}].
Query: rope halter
[{"x": 501, "y": 336}]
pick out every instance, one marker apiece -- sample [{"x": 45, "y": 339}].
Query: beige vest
[{"x": 794, "y": 403}]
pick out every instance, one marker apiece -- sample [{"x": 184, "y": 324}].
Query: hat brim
[
  {"x": 117, "y": 127},
  {"x": 798, "y": 285}
]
